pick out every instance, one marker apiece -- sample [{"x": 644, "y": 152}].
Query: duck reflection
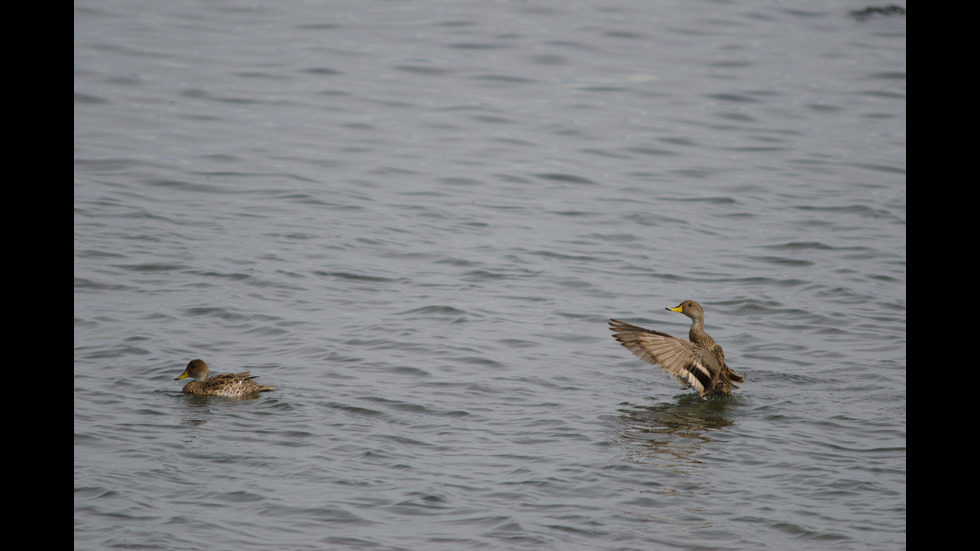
[{"x": 674, "y": 430}]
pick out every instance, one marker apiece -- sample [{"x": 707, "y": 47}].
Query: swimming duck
[
  {"x": 228, "y": 385},
  {"x": 699, "y": 363}
]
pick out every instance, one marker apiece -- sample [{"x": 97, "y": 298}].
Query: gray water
[{"x": 415, "y": 219}]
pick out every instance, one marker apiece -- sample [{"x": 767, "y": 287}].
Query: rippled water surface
[{"x": 415, "y": 219}]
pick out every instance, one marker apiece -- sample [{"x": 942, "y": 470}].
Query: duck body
[
  {"x": 698, "y": 362},
  {"x": 227, "y": 385}
]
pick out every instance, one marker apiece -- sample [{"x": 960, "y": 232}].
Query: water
[{"x": 415, "y": 218}]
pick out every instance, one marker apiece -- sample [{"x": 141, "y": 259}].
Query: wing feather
[{"x": 686, "y": 362}]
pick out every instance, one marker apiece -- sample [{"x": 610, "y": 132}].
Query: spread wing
[{"x": 686, "y": 362}]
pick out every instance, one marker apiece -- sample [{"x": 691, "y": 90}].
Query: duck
[
  {"x": 228, "y": 385},
  {"x": 698, "y": 362}
]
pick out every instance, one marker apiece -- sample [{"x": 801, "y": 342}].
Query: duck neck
[{"x": 697, "y": 327}]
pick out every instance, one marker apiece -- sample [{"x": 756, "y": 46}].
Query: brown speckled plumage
[
  {"x": 228, "y": 385},
  {"x": 699, "y": 363}
]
